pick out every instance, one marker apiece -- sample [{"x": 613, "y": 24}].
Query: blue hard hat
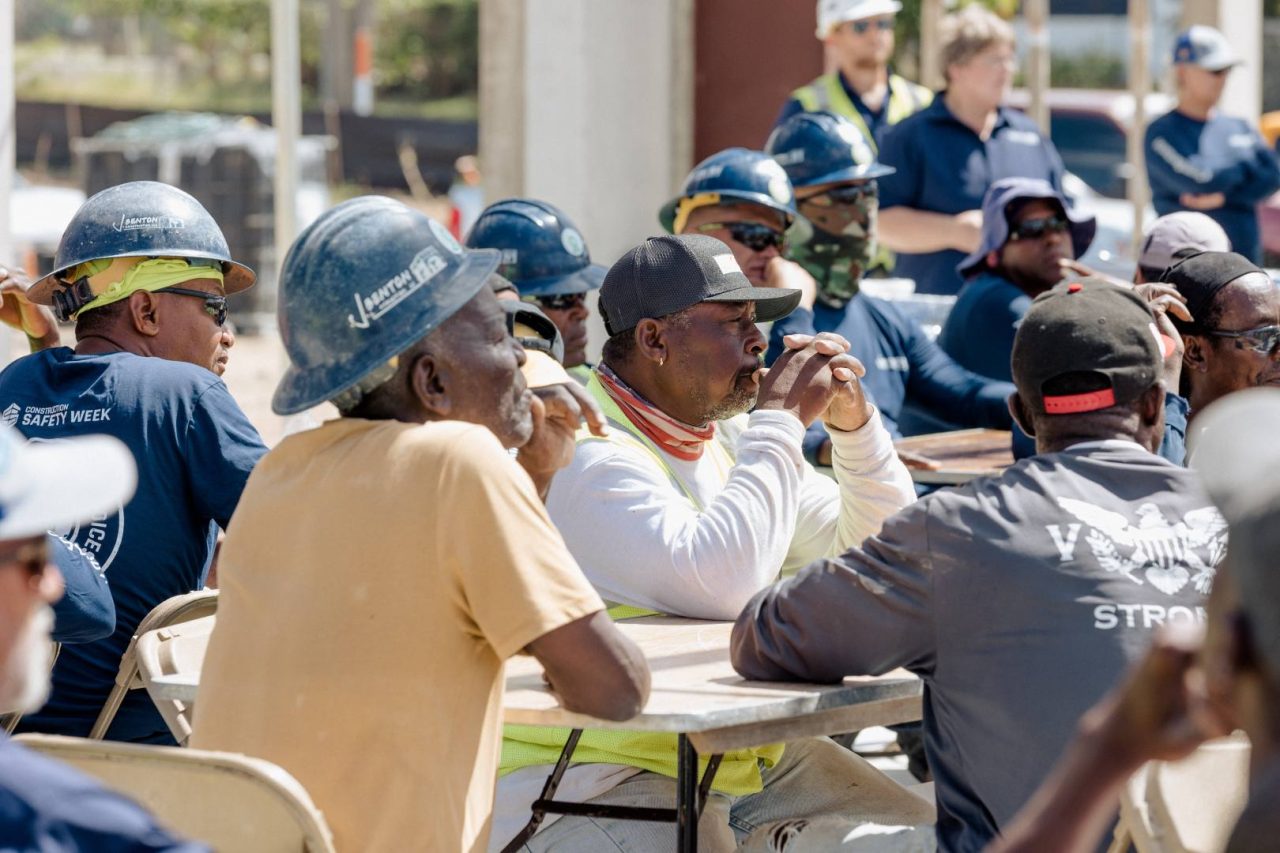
[
  {"x": 141, "y": 219},
  {"x": 543, "y": 254},
  {"x": 822, "y": 148},
  {"x": 359, "y": 286},
  {"x": 735, "y": 175}
]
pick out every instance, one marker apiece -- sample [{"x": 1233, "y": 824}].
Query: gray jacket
[{"x": 1019, "y": 599}]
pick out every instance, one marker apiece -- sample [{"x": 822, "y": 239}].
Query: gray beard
[{"x": 24, "y": 681}]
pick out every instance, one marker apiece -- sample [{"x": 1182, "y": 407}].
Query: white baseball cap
[
  {"x": 1179, "y": 231},
  {"x": 48, "y": 485},
  {"x": 833, "y": 13},
  {"x": 1206, "y": 47}
]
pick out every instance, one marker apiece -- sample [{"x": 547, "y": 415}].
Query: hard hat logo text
[{"x": 425, "y": 266}]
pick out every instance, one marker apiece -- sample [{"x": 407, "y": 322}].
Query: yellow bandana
[{"x": 113, "y": 279}]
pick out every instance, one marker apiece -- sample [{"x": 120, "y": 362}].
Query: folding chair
[
  {"x": 230, "y": 801},
  {"x": 1188, "y": 805},
  {"x": 171, "y": 651},
  {"x": 180, "y": 608}
]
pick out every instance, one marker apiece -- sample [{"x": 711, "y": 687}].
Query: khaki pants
[{"x": 818, "y": 797}]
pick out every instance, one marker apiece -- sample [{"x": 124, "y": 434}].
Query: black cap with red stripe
[{"x": 1086, "y": 346}]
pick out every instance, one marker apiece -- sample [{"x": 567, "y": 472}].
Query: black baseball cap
[
  {"x": 1091, "y": 329},
  {"x": 669, "y": 273}
]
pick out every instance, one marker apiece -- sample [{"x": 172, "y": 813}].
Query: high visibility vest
[
  {"x": 827, "y": 93},
  {"x": 526, "y": 746}
]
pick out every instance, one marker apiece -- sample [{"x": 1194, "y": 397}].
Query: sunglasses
[
  {"x": 32, "y": 557},
  {"x": 753, "y": 235},
  {"x": 844, "y": 195},
  {"x": 860, "y": 27},
  {"x": 1263, "y": 339},
  {"x": 1035, "y": 229},
  {"x": 214, "y": 305},
  {"x": 562, "y": 302}
]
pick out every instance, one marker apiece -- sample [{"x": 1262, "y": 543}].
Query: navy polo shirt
[
  {"x": 944, "y": 167},
  {"x": 1222, "y": 155}
]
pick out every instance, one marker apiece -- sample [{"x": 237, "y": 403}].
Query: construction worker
[
  {"x": 546, "y": 258},
  {"x": 144, "y": 272},
  {"x": 859, "y": 36},
  {"x": 383, "y": 565}
]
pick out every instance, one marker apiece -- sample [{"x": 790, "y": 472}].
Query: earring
[{"x": 662, "y": 361}]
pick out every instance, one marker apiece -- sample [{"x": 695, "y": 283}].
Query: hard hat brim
[
  {"x": 236, "y": 278},
  {"x": 300, "y": 389},
  {"x": 583, "y": 281},
  {"x": 667, "y": 215},
  {"x": 865, "y": 172}
]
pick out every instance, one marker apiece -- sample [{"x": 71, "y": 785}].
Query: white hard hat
[{"x": 832, "y": 13}]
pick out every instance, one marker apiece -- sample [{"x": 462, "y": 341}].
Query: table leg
[
  {"x": 548, "y": 791},
  {"x": 687, "y": 800}
]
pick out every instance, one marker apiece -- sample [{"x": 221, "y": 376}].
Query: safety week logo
[
  {"x": 101, "y": 535},
  {"x": 1151, "y": 551},
  {"x": 56, "y": 415}
]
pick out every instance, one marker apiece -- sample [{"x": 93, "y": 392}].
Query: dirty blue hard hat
[
  {"x": 359, "y": 286},
  {"x": 543, "y": 254},
  {"x": 141, "y": 219},
  {"x": 823, "y": 148},
  {"x": 732, "y": 176}
]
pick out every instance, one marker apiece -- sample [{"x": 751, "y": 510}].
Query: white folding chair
[
  {"x": 230, "y": 801},
  {"x": 174, "y": 650}
]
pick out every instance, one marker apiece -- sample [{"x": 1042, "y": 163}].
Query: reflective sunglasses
[
  {"x": 1263, "y": 339},
  {"x": 214, "y": 304},
  {"x": 860, "y": 27},
  {"x": 754, "y": 235},
  {"x": 1035, "y": 229},
  {"x": 32, "y": 557},
  {"x": 561, "y": 302},
  {"x": 848, "y": 194}
]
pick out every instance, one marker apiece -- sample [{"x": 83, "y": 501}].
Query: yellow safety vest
[
  {"x": 827, "y": 93},
  {"x": 527, "y": 746}
]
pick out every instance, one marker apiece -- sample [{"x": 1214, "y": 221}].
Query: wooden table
[
  {"x": 697, "y": 695},
  {"x": 964, "y": 454}
]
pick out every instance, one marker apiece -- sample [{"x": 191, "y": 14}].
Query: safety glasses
[
  {"x": 1263, "y": 339},
  {"x": 754, "y": 235},
  {"x": 214, "y": 304},
  {"x": 882, "y": 24},
  {"x": 1035, "y": 229},
  {"x": 561, "y": 302},
  {"x": 848, "y": 194}
]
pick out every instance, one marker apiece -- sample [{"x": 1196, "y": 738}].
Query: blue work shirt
[
  {"x": 85, "y": 612},
  {"x": 194, "y": 449},
  {"x": 1222, "y": 155},
  {"x": 979, "y": 330},
  {"x": 51, "y": 807},
  {"x": 901, "y": 362},
  {"x": 944, "y": 167}
]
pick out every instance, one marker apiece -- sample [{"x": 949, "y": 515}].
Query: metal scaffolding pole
[
  {"x": 1139, "y": 86},
  {"x": 286, "y": 117},
  {"x": 931, "y": 75},
  {"x": 1037, "y": 15}
]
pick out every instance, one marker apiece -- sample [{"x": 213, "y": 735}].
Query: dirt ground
[{"x": 257, "y": 363}]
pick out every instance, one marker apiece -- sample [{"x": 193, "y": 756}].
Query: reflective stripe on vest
[
  {"x": 827, "y": 94},
  {"x": 528, "y": 746}
]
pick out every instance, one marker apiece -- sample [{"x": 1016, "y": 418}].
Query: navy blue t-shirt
[
  {"x": 901, "y": 362},
  {"x": 1222, "y": 155},
  {"x": 194, "y": 449},
  {"x": 944, "y": 167},
  {"x": 980, "y": 328},
  {"x": 49, "y": 807},
  {"x": 85, "y": 612}
]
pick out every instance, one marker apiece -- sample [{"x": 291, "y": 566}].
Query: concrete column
[
  {"x": 502, "y": 106},
  {"x": 1241, "y": 22}
]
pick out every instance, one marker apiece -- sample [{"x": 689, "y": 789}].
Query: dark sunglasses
[
  {"x": 1034, "y": 229},
  {"x": 32, "y": 557},
  {"x": 847, "y": 194},
  {"x": 214, "y": 305},
  {"x": 754, "y": 235},
  {"x": 1263, "y": 339},
  {"x": 861, "y": 27},
  {"x": 561, "y": 302}
]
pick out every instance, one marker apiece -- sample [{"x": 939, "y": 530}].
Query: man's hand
[
  {"x": 1202, "y": 201},
  {"x": 918, "y": 461},
  {"x": 18, "y": 312},
  {"x": 808, "y": 376},
  {"x": 1164, "y": 300},
  {"x": 558, "y": 411},
  {"x": 1160, "y": 712},
  {"x": 785, "y": 274},
  {"x": 967, "y": 231},
  {"x": 849, "y": 408}
]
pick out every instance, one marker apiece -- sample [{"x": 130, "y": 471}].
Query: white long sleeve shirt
[{"x": 700, "y": 538}]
